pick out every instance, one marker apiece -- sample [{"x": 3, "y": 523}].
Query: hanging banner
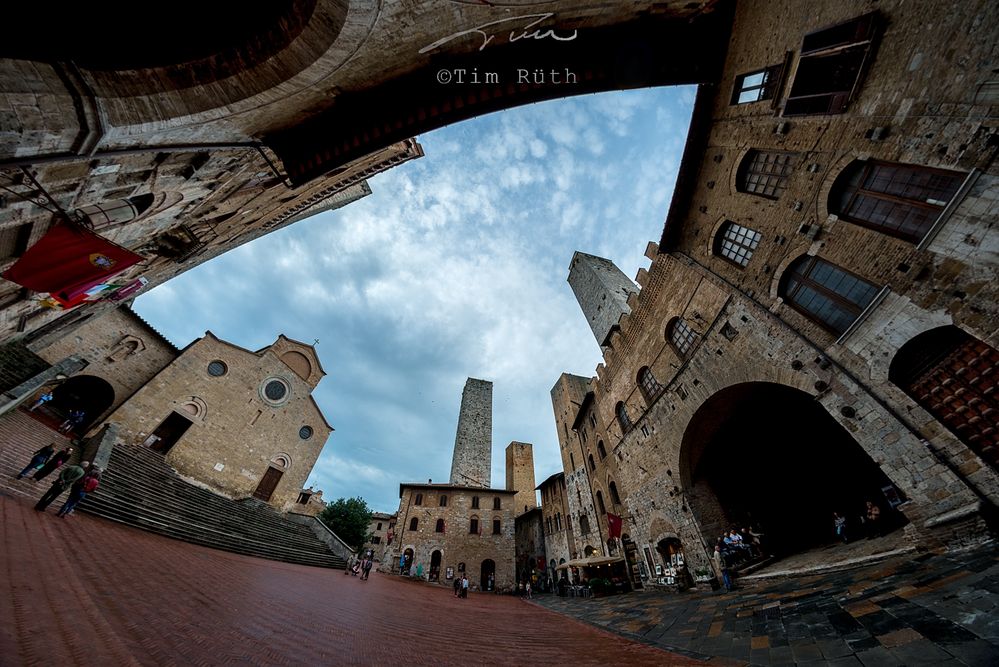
[{"x": 68, "y": 261}]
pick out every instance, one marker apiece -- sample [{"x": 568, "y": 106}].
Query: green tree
[{"x": 348, "y": 518}]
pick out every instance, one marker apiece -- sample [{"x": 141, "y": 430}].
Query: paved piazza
[{"x": 87, "y": 591}]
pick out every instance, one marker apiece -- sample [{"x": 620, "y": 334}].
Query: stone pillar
[{"x": 473, "y": 443}]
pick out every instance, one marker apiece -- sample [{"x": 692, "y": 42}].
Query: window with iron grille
[
  {"x": 831, "y": 65},
  {"x": 736, "y": 243},
  {"x": 826, "y": 293},
  {"x": 758, "y": 85},
  {"x": 681, "y": 336},
  {"x": 765, "y": 173},
  {"x": 622, "y": 418},
  {"x": 902, "y": 200},
  {"x": 648, "y": 384}
]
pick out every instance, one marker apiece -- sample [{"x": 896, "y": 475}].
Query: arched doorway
[
  {"x": 769, "y": 456},
  {"x": 487, "y": 580},
  {"x": 435, "y": 565},
  {"x": 168, "y": 433},
  {"x": 265, "y": 489},
  {"x": 407, "y": 560},
  {"x": 91, "y": 394},
  {"x": 955, "y": 377}
]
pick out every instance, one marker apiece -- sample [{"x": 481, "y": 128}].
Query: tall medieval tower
[
  {"x": 602, "y": 291},
  {"x": 473, "y": 443},
  {"x": 520, "y": 475}
]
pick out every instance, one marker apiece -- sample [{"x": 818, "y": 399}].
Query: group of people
[
  {"x": 870, "y": 519},
  {"x": 461, "y": 586},
  {"x": 733, "y": 548},
  {"x": 361, "y": 565},
  {"x": 80, "y": 478}
]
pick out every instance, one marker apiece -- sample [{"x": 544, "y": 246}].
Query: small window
[
  {"x": 736, "y": 243},
  {"x": 217, "y": 368},
  {"x": 648, "y": 385},
  {"x": 582, "y": 433},
  {"x": 622, "y": 418},
  {"x": 473, "y": 526},
  {"x": 600, "y": 503},
  {"x": 765, "y": 173},
  {"x": 572, "y": 461},
  {"x": 593, "y": 420},
  {"x": 601, "y": 451},
  {"x": 443, "y": 501},
  {"x": 375, "y": 539},
  {"x": 616, "y": 499},
  {"x": 379, "y": 526},
  {"x": 475, "y": 502},
  {"x": 755, "y": 86},
  {"x": 413, "y": 523},
  {"x": 548, "y": 522},
  {"x": 681, "y": 336},
  {"x": 419, "y": 499},
  {"x": 496, "y": 503},
  {"x": 825, "y": 293},
  {"x": 305, "y": 432},
  {"x": 303, "y": 498},
  {"x": 593, "y": 466},
  {"x": 902, "y": 200},
  {"x": 439, "y": 528},
  {"x": 584, "y": 524},
  {"x": 831, "y": 66},
  {"x": 558, "y": 522},
  {"x": 496, "y": 527}
]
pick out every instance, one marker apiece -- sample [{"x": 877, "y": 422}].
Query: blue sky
[{"x": 454, "y": 267}]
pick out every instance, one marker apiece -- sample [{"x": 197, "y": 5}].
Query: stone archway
[
  {"x": 769, "y": 455},
  {"x": 89, "y": 393}
]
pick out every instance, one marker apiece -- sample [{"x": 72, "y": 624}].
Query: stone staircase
[{"x": 139, "y": 489}]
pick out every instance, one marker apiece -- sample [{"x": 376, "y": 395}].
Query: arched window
[
  {"x": 475, "y": 502},
  {"x": 764, "y": 173},
  {"x": 443, "y": 502},
  {"x": 825, "y": 293},
  {"x": 593, "y": 466},
  {"x": 601, "y": 451},
  {"x": 473, "y": 526},
  {"x": 680, "y": 336},
  {"x": 902, "y": 200},
  {"x": 649, "y": 385},
  {"x": 600, "y": 503},
  {"x": 558, "y": 522},
  {"x": 419, "y": 499},
  {"x": 413, "y": 523},
  {"x": 736, "y": 243},
  {"x": 952, "y": 375},
  {"x": 548, "y": 522},
  {"x": 622, "y": 417},
  {"x": 496, "y": 526},
  {"x": 584, "y": 524},
  {"x": 616, "y": 499},
  {"x": 115, "y": 212},
  {"x": 496, "y": 503},
  {"x": 440, "y": 526}
]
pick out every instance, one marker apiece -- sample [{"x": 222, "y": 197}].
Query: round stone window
[
  {"x": 217, "y": 368},
  {"x": 305, "y": 432},
  {"x": 275, "y": 390}
]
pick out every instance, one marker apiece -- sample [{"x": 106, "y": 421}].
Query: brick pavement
[
  {"x": 86, "y": 591},
  {"x": 931, "y": 609}
]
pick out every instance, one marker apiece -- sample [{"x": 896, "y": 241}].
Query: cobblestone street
[{"x": 913, "y": 610}]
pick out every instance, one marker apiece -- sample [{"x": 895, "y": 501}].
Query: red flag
[
  {"x": 69, "y": 260},
  {"x": 614, "y": 525}
]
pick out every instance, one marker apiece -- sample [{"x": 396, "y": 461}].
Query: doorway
[
  {"x": 168, "y": 433},
  {"x": 488, "y": 578},
  {"x": 86, "y": 393},
  {"x": 435, "y": 565},
  {"x": 265, "y": 489}
]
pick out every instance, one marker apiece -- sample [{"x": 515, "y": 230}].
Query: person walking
[
  {"x": 73, "y": 421},
  {"x": 527, "y": 589},
  {"x": 56, "y": 461},
  {"x": 68, "y": 476},
  {"x": 368, "y": 562},
  {"x": 839, "y": 525},
  {"x": 38, "y": 459},
  {"x": 721, "y": 567},
  {"x": 457, "y": 587},
  {"x": 80, "y": 490},
  {"x": 42, "y": 400},
  {"x": 464, "y": 585}
]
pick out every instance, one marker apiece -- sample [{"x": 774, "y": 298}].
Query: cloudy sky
[{"x": 454, "y": 267}]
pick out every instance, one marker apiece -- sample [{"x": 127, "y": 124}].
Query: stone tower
[
  {"x": 602, "y": 291},
  {"x": 520, "y": 475},
  {"x": 473, "y": 443}
]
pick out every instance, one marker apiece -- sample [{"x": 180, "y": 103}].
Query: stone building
[
  {"x": 557, "y": 521},
  {"x": 239, "y": 422},
  {"x": 532, "y": 562},
  {"x": 818, "y": 324},
  {"x": 464, "y": 526},
  {"x": 381, "y": 530}
]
